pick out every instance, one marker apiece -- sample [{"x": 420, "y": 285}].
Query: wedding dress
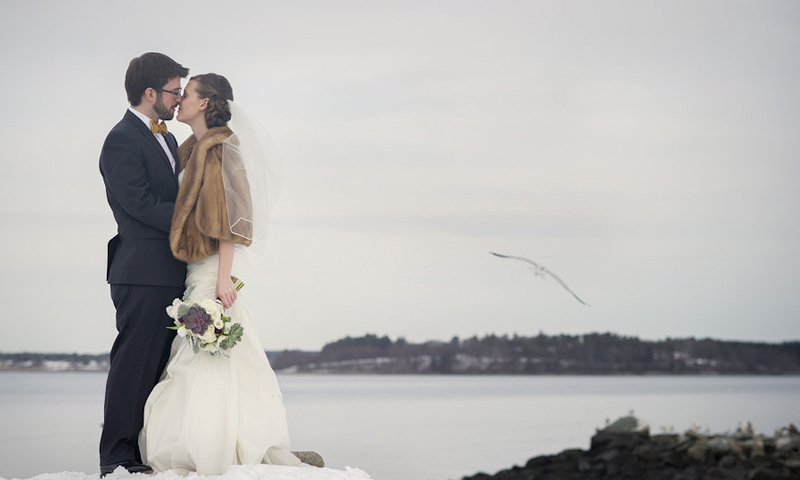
[{"x": 209, "y": 412}]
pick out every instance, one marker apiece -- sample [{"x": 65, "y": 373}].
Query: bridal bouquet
[{"x": 204, "y": 324}]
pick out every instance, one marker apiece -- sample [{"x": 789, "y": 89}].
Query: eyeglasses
[{"x": 176, "y": 92}]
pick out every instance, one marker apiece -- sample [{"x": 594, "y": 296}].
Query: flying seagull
[{"x": 541, "y": 271}]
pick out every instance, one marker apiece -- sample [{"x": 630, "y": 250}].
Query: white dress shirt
[{"x": 158, "y": 136}]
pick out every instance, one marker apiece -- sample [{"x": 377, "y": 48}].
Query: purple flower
[{"x": 197, "y": 320}]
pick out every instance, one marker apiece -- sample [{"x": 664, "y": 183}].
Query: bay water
[{"x": 410, "y": 427}]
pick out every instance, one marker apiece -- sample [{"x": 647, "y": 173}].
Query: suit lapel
[
  {"x": 151, "y": 139},
  {"x": 173, "y": 148}
]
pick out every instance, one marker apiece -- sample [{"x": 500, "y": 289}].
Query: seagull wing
[
  {"x": 517, "y": 258},
  {"x": 565, "y": 286}
]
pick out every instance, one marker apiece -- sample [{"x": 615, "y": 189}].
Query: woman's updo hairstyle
[{"x": 218, "y": 91}]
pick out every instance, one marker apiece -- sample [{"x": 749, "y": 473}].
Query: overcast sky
[{"x": 646, "y": 152}]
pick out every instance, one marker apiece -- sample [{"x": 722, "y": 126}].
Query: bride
[{"x": 212, "y": 411}]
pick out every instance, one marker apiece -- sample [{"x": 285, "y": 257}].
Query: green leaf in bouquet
[
  {"x": 187, "y": 293},
  {"x": 183, "y": 310},
  {"x": 233, "y": 337}
]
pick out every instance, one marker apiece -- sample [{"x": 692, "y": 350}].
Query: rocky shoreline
[{"x": 625, "y": 450}]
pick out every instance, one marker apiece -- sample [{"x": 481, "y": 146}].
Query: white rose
[
  {"x": 172, "y": 310},
  {"x": 209, "y": 336},
  {"x": 212, "y": 307},
  {"x": 182, "y": 331}
]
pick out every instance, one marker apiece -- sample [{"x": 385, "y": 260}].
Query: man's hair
[{"x": 150, "y": 70}]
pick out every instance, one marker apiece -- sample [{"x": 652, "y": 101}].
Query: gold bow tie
[{"x": 158, "y": 127}]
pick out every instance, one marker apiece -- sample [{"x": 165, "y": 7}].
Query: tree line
[{"x": 594, "y": 353}]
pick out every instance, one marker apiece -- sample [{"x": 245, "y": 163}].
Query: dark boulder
[{"x": 624, "y": 450}]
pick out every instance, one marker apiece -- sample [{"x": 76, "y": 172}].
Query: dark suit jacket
[{"x": 141, "y": 188}]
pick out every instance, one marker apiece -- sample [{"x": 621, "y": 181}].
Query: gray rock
[
  {"x": 764, "y": 473},
  {"x": 310, "y": 458},
  {"x": 626, "y": 433},
  {"x": 745, "y": 430},
  {"x": 538, "y": 462},
  {"x": 698, "y": 451},
  {"x": 720, "y": 445},
  {"x": 694, "y": 434},
  {"x": 727, "y": 461},
  {"x": 739, "y": 451},
  {"x": 688, "y": 474},
  {"x": 787, "y": 443},
  {"x": 754, "y": 448},
  {"x": 646, "y": 452},
  {"x": 608, "y": 455},
  {"x": 628, "y": 424},
  {"x": 480, "y": 476},
  {"x": 624, "y": 424},
  {"x": 665, "y": 439},
  {"x": 716, "y": 473}
]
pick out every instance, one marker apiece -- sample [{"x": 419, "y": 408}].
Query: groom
[{"x": 138, "y": 165}]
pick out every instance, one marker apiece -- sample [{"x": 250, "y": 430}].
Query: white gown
[{"x": 210, "y": 412}]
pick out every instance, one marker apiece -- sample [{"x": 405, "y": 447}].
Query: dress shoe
[{"x": 131, "y": 466}]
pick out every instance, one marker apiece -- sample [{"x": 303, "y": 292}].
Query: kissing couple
[{"x": 186, "y": 218}]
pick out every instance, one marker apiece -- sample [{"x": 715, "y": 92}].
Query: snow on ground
[{"x": 236, "y": 472}]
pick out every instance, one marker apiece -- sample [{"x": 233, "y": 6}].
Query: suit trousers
[{"x": 138, "y": 358}]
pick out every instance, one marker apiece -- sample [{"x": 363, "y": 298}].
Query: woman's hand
[{"x": 226, "y": 291}]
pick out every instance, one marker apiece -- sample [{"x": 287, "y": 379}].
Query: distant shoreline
[
  {"x": 588, "y": 354},
  {"x": 391, "y": 374}
]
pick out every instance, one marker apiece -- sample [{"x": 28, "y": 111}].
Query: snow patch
[{"x": 235, "y": 472}]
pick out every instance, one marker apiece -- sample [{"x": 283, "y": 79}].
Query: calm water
[{"x": 409, "y": 427}]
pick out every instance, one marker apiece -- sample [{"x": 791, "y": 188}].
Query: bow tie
[{"x": 158, "y": 127}]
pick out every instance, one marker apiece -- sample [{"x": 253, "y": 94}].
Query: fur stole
[{"x": 200, "y": 219}]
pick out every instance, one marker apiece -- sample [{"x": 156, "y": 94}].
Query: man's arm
[{"x": 126, "y": 178}]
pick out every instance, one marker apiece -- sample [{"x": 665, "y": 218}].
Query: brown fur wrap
[{"x": 200, "y": 219}]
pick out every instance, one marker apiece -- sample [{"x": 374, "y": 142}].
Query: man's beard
[{"x": 162, "y": 110}]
